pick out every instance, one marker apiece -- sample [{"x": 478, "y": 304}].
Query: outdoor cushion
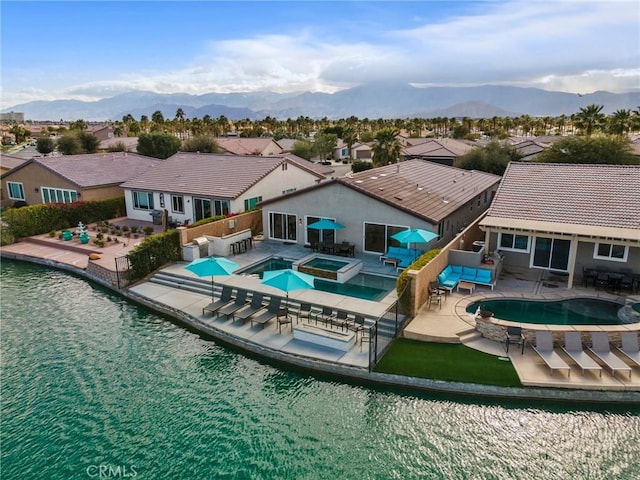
[
  {"x": 483, "y": 276},
  {"x": 468, "y": 273},
  {"x": 455, "y": 269}
]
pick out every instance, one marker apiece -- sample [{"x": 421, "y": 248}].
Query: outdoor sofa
[
  {"x": 405, "y": 256},
  {"x": 452, "y": 274}
]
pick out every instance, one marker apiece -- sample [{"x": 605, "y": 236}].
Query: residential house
[
  {"x": 439, "y": 150},
  {"x": 567, "y": 217},
  {"x": 102, "y": 132},
  {"x": 362, "y": 152},
  {"x": 377, "y": 203},
  {"x": 7, "y": 162},
  {"x": 529, "y": 150},
  {"x": 69, "y": 178},
  {"x": 341, "y": 151},
  {"x": 193, "y": 186},
  {"x": 130, "y": 143},
  {"x": 249, "y": 146}
]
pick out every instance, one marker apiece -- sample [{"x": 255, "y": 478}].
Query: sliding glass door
[
  {"x": 551, "y": 253},
  {"x": 377, "y": 237}
]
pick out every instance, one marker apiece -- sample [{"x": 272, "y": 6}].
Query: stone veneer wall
[
  {"x": 101, "y": 273},
  {"x": 497, "y": 330}
]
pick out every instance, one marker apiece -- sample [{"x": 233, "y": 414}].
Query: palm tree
[
  {"x": 180, "y": 119},
  {"x": 620, "y": 122},
  {"x": 590, "y": 118},
  {"x": 387, "y": 147}
]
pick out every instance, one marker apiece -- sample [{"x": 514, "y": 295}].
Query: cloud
[{"x": 575, "y": 46}]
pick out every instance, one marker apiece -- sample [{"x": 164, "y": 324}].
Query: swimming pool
[
  {"x": 325, "y": 264},
  {"x": 364, "y": 286},
  {"x": 572, "y": 311}
]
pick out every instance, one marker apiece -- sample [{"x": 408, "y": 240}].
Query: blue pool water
[
  {"x": 364, "y": 286},
  {"x": 573, "y": 311},
  {"x": 325, "y": 264}
]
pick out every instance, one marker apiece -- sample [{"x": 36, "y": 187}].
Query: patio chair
[
  {"x": 231, "y": 308},
  {"x": 303, "y": 311},
  {"x": 357, "y": 326},
  {"x": 600, "y": 348},
  {"x": 340, "y": 319},
  {"x": 630, "y": 348},
  {"x": 325, "y": 315},
  {"x": 225, "y": 297},
  {"x": 365, "y": 336},
  {"x": 255, "y": 306},
  {"x": 573, "y": 348},
  {"x": 433, "y": 297},
  {"x": 284, "y": 318},
  {"x": 544, "y": 349},
  {"x": 514, "y": 336}
]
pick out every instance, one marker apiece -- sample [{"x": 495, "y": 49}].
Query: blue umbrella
[
  {"x": 210, "y": 266},
  {"x": 288, "y": 280},
  {"x": 325, "y": 224},
  {"x": 414, "y": 235}
]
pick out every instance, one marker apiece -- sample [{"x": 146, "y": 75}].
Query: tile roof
[
  {"x": 577, "y": 194},
  {"x": 9, "y": 161},
  {"x": 425, "y": 189},
  {"x": 94, "y": 170},
  {"x": 443, "y": 147},
  {"x": 221, "y": 176},
  {"x": 246, "y": 146}
]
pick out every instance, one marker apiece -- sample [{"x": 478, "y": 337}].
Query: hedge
[
  {"x": 154, "y": 252},
  {"x": 404, "y": 279},
  {"x": 38, "y": 219}
]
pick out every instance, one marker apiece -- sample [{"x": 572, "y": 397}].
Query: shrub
[
  {"x": 52, "y": 233},
  {"x": 148, "y": 230},
  {"x": 154, "y": 252},
  {"x": 99, "y": 236}
]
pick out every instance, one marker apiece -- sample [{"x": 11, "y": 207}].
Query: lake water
[{"x": 96, "y": 387}]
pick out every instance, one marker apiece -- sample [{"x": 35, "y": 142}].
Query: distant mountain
[{"x": 377, "y": 100}]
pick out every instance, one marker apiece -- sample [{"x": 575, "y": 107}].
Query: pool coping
[{"x": 359, "y": 375}]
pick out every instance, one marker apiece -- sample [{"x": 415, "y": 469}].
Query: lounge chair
[
  {"x": 255, "y": 306},
  {"x": 237, "y": 304},
  {"x": 544, "y": 348},
  {"x": 600, "y": 348},
  {"x": 630, "y": 348},
  {"x": 573, "y": 348},
  {"x": 225, "y": 298},
  {"x": 272, "y": 311}
]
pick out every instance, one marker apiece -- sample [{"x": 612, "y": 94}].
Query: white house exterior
[{"x": 192, "y": 186}]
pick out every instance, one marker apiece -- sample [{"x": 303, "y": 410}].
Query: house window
[
  {"x": 517, "y": 243},
  {"x": 250, "y": 203},
  {"x": 16, "y": 190},
  {"x": 58, "y": 195},
  {"x": 220, "y": 207},
  {"x": 486, "y": 196},
  {"x": 283, "y": 226},
  {"x": 177, "y": 203},
  {"x": 377, "y": 237},
  {"x": 441, "y": 229},
  {"x": 316, "y": 236},
  {"x": 479, "y": 199},
  {"x": 610, "y": 251},
  {"x": 143, "y": 200}
]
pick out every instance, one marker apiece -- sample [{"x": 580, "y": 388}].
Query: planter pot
[
  {"x": 84, "y": 238},
  {"x": 67, "y": 235},
  {"x": 486, "y": 314}
]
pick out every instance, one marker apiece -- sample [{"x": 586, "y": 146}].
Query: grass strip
[{"x": 446, "y": 361}]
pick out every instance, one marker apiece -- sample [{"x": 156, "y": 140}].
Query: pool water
[
  {"x": 325, "y": 264},
  {"x": 364, "y": 286},
  {"x": 573, "y": 311}
]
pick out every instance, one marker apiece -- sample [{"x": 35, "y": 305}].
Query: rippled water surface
[{"x": 91, "y": 381}]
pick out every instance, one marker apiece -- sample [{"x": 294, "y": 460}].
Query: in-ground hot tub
[{"x": 328, "y": 268}]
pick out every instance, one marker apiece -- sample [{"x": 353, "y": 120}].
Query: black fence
[
  {"x": 387, "y": 328},
  {"x": 123, "y": 271}
]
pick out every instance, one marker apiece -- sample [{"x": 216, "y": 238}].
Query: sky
[{"x": 88, "y": 50}]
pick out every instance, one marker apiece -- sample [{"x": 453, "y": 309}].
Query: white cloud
[{"x": 575, "y": 46}]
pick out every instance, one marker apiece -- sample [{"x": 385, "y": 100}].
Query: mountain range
[{"x": 376, "y": 100}]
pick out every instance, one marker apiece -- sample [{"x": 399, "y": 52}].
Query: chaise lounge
[
  {"x": 573, "y": 348},
  {"x": 600, "y": 348},
  {"x": 544, "y": 349}
]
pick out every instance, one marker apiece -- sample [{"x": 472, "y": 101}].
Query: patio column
[
  {"x": 487, "y": 236},
  {"x": 572, "y": 260}
]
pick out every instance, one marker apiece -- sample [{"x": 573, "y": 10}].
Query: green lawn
[{"x": 445, "y": 361}]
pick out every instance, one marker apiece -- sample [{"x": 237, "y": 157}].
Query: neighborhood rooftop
[
  {"x": 578, "y": 195},
  {"x": 226, "y": 175},
  {"x": 425, "y": 189},
  {"x": 92, "y": 170}
]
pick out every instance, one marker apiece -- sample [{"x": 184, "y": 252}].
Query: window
[
  {"x": 220, "y": 207},
  {"x": 551, "y": 253},
  {"x": 442, "y": 228},
  {"x": 58, "y": 195},
  {"x": 316, "y": 236},
  {"x": 177, "y": 203},
  {"x": 250, "y": 203},
  {"x": 143, "y": 200},
  {"x": 377, "y": 237},
  {"x": 610, "y": 251},
  {"x": 283, "y": 226},
  {"x": 510, "y": 241},
  {"x": 16, "y": 191}
]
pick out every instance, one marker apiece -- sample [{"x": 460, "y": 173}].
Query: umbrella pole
[{"x": 213, "y": 297}]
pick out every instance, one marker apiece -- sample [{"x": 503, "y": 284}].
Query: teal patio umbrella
[
  {"x": 325, "y": 224},
  {"x": 288, "y": 280},
  {"x": 211, "y": 266},
  {"x": 414, "y": 235}
]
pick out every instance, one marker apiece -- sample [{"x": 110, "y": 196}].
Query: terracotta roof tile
[{"x": 595, "y": 195}]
